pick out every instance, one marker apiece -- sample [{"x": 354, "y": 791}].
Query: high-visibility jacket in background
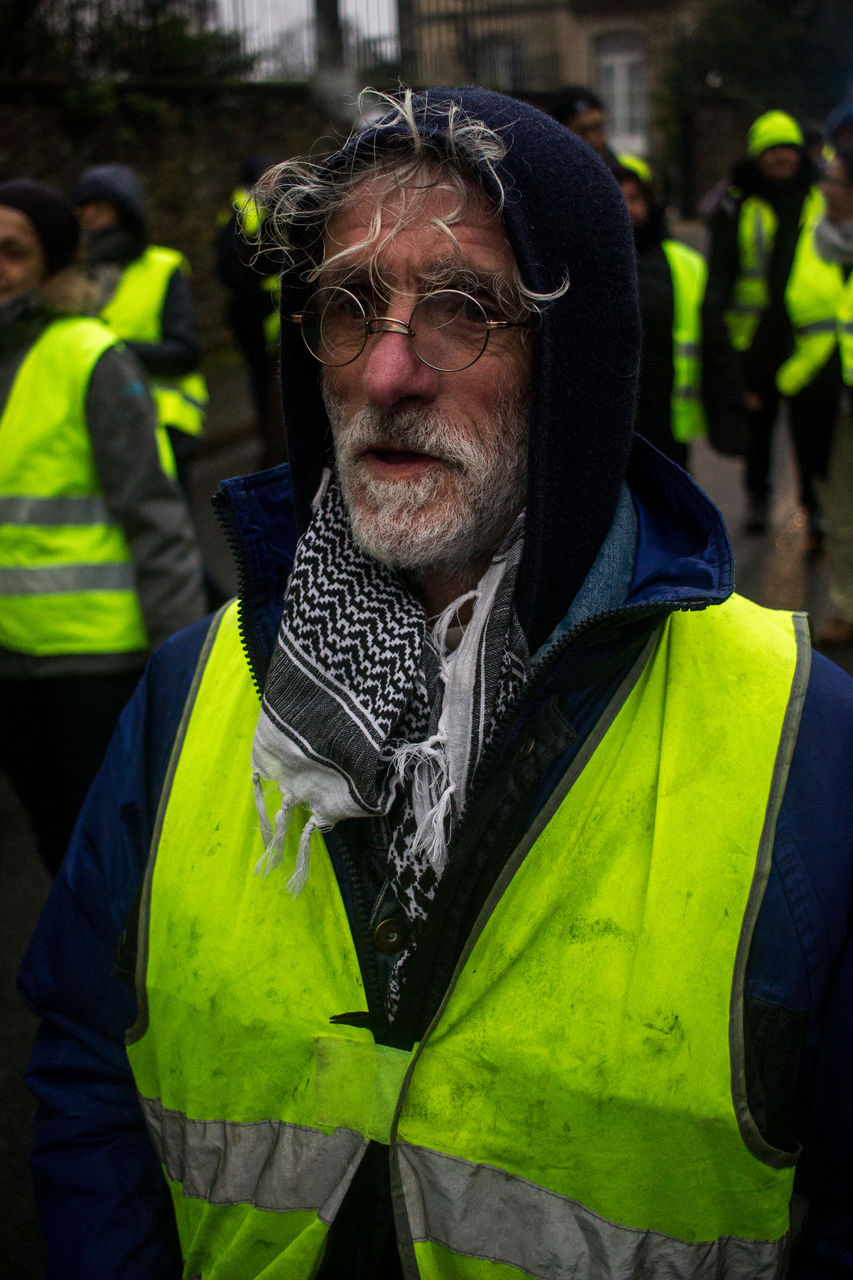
[
  {"x": 135, "y": 313},
  {"x": 812, "y": 297},
  {"x": 578, "y": 1104},
  {"x": 689, "y": 276},
  {"x": 756, "y": 231},
  {"x": 67, "y": 582},
  {"x": 251, "y": 220}
]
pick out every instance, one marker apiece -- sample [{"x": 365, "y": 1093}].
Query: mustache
[{"x": 426, "y": 431}]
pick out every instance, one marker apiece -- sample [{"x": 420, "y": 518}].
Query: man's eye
[{"x": 367, "y": 299}]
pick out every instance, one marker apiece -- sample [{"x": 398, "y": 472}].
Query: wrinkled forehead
[{"x": 429, "y": 211}]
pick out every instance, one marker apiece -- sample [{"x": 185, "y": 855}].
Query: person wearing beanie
[
  {"x": 470, "y": 899},
  {"x": 755, "y": 234},
  {"x": 144, "y": 296},
  {"x": 690, "y": 380},
  {"x": 98, "y": 562}
]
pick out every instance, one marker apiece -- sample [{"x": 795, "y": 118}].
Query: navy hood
[
  {"x": 562, "y": 213},
  {"x": 118, "y": 184}
]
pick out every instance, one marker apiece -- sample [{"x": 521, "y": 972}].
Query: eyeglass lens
[{"x": 448, "y": 329}]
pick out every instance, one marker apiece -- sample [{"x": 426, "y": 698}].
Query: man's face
[
  {"x": 432, "y": 463},
  {"x": 635, "y": 202},
  {"x": 590, "y": 126},
  {"x": 779, "y": 163},
  {"x": 22, "y": 264},
  {"x": 98, "y": 215}
]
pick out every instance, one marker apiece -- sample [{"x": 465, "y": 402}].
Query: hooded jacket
[
  {"x": 721, "y": 378},
  {"x": 110, "y": 251},
  {"x": 650, "y": 544},
  {"x": 585, "y": 356}
]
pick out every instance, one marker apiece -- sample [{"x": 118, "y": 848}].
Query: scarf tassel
[
  {"x": 431, "y": 834},
  {"x": 274, "y": 833}
]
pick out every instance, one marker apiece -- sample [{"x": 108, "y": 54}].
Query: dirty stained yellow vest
[{"x": 579, "y": 1099}]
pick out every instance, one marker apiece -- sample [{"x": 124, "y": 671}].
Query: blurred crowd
[{"x": 103, "y": 405}]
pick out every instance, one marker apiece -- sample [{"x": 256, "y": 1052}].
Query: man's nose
[{"x": 393, "y": 373}]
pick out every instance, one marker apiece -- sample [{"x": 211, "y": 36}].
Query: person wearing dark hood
[
  {"x": 558, "y": 987},
  {"x": 755, "y": 232},
  {"x": 690, "y": 381},
  {"x": 145, "y": 297},
  {"x": 98, "y": 563}
]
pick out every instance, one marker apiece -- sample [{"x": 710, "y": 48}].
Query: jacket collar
[{"x": 682, "y": 557}]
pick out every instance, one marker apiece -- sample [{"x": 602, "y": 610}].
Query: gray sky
[{"x": 265, "y": 20}]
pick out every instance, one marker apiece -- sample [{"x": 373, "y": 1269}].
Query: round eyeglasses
[{"x": 448, "y": 330}]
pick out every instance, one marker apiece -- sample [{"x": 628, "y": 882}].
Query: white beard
[{"x": 456, "y": 513}]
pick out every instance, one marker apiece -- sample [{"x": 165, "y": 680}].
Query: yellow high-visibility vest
[
  {"x": 756, "y": 232},
  {"x": 812, "y": 297},
  {"x": 67, "y": 581},
  {"x": 135, "y": 312},
  {"x": 578, "y": 1104},
  {"x": 689, "y": 275}
]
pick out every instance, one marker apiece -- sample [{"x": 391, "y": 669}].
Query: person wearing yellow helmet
[{"x": 757, "y": 235}]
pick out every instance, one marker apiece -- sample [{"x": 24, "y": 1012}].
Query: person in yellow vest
[
  {"x": 145, "y": 298},
  {"x": 98, "y": 563},
  {"x": 472, "y": 899},
  {"x": 251, "y": 278},
  {"x": 690, "y": 380},
  {"x": 834, "y": 243},
  {"x": 754, "y": 233}
]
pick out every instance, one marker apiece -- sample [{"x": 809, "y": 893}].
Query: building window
[{"x": 620, "y": 74}]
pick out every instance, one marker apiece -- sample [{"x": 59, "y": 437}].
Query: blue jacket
[{"x": 101, "y": 1194}]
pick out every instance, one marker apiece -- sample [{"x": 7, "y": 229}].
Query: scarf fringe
[
  {"x": 274, "y": 836},
  {"x": 431, "y": 834}
]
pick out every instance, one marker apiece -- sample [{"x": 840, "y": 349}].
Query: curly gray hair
[{"x": 299, "y": 196}]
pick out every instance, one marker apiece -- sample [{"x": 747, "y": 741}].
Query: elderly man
[{"x": 557, "y": 988}]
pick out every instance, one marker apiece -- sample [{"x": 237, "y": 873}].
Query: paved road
[{"x": 773, "y": 569}]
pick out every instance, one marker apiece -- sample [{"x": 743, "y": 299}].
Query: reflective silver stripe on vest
[
  {"x": 274, "y": 1166},
  {"x": 817, "y": 326},
  {"x": 687, "y": 349},
  {"x": 847, "y": 327},
  {"x": 64, "y": 578},
  {"x": 482, "y": 1212},
  {"x": 687, "y": 393},
  {"x": 52, "y": 511}
]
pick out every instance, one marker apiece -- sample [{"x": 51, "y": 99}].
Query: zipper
[
  {"x": 361, "y": 941},
  {"x": 227, "y": 522}
]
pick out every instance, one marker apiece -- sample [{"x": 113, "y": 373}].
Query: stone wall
[{"x": 185, "y": 142}]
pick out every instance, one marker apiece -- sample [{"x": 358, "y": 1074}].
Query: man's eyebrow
[
  {"x": 452, "y": 274},
  {"x": 447, "y": 273}
]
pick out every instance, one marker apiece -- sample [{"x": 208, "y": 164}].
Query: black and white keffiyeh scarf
[{"x": 365, "y": 713}]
